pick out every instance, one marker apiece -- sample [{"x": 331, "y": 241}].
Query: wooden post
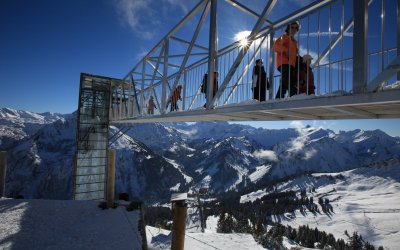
[
  {"x": 142, "y": 226},
  {"x": 179, "y": 212},
  {"x": 111, "y": 178},
  {"x": 3, "y": 169}
]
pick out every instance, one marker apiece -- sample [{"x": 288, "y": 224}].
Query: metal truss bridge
[
  {"x": 356, "y": 62},
  {"x": 356, "y": 65}
]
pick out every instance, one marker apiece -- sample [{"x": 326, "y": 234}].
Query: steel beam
[
  {"x": 292, "y": 114},
  {"x": 171, "y": 33},
  {"x": 267, "y": 10},
  {"x": 186, "y": 42},
  {"x": 212, "y": 52},
  {"x": 398, "y": 35},
  {"x": 191, "y": 45},
  {"x": 360, "y": 46},
  {"x": 300, "y": 13},
  {"x": 180, "y": 55},
  {"x": 385, "y": 75},
  {"x": 246, "y": 10},
  {"x": 165, "y": 78},
  {"x": 244, "y": 72}
]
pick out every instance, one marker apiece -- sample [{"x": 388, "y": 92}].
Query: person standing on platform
[
  {"x": 152, "y": 105},
  {"x": 176, "y": 95},
  {"x": 306, "y": 75},
  {"x": 260, "y": 82},
  {"x": 286, "y": 53},
  {"x": 214, "y": 87}
]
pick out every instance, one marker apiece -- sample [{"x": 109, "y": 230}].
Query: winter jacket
[
  {"x": 303, "y": 80},
  {"x": 152, "y": 105},
  {"x": 176, "y": 95},
  {"x": 285, "y": 46},
  {"x": 204, "y": 84}
]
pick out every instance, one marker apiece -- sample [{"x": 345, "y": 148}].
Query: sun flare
[{"x": 242, "y": 37}]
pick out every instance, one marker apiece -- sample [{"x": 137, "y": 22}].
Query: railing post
[
  {"x": 111, "y": 178},
  {"x": 271, "y": 65},
  {"x": 360, "y": 46},
  {"x": 165, "y": 78},
  {"x": 179, "y": 212},
  {"x": 212, "y": 52},
  {"x": 3, "y": 170},
  {"x": 142, "y": 101},
  {"x": 398, "y": 36},
  {"x": 184, "y": 90}
]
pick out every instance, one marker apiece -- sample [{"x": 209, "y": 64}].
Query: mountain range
[{"x": 154, "y": 160}]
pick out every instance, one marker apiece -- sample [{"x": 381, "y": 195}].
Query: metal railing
[{"x": 326, "y": 34}]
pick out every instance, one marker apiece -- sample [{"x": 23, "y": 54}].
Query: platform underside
[{"x": 379, "y": 105}]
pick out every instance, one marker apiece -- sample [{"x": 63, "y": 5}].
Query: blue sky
[{"x": 46, "y": 44}]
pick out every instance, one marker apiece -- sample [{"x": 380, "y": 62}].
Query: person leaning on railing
[{"x": 286, "y": 53}]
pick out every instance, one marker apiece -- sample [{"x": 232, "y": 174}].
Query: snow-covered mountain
[
  {"x": 41, "y": 165},
  {"x": 154, "y": 160},
  {"x": 18, "y": 124},
  {"x": 225, "y": 161}
]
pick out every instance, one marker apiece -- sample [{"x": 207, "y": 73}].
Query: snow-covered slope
[
  {"x": 41, "y": 166},
  {"x": 364, "y": 200},
  {"x": 145, "y": 174},
  {"x": 161, "y": 239},
  {"x": 52, "y": 224}
]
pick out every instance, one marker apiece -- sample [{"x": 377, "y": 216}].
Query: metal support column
[
  {"x": 142, "y": 97},
  {"x": 111, "y": 178},
  {"x": 212, "y": 52},
  {"x": 184, "y": 90},
  {"x": 267, "y": 10},
  {"x": 360, "y": 46},
  {"x": 271, "y": 65},
  {"x": 398, "y": 35},
  {"x": 165, "y": 77}
]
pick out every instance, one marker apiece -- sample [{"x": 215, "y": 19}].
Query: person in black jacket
[
  {"x": 214, "y": 87},
  {"x": 260, "y": 83}
]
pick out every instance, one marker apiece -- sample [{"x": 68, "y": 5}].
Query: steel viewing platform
[{"x": 356, "y": 74}]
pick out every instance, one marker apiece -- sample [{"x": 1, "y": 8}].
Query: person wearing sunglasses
[{"x": 286, "y": 51}]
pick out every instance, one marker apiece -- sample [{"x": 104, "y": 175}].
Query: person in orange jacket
[
  {"x": 176, "y": 95},
  {"x": 286, "y": 53}
]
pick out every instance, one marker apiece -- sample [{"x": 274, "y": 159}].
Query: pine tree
[
  {"x": 259, "y": 228},
  {"x": 356, "y": 242},
  {"x": 368, "y": 246},
  {"x": 225, "y": 223}
]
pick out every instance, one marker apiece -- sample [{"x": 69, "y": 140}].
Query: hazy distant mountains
[{"x": 154, "y": 160}]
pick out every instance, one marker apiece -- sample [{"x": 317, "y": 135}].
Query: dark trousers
[
  {"x": 174, "y": 106},
  {"x": 259, "y": 92},
  {"x": 288, "y": 81}
]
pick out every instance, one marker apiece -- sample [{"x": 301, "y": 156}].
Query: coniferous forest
[{"x": 256, "y": 218}]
